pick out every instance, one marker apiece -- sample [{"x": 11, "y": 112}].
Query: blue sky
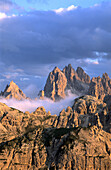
[
  {"x": 38, "y": 40},
  {"x": 55, "y": 4}
]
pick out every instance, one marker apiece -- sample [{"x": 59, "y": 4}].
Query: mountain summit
[
  {"x": 59, "y": 81},
  {"x": 13, "y": 91},
  {"x": 56, "y": 84},
  {"x": 78, "y": 82}
]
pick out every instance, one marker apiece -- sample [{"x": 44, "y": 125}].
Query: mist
[{"x": 49, "y": 105}]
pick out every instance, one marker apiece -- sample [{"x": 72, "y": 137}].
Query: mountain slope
[
  {"x": 79, "y": 138},
  {"x": 13, "y": 91},
  {"x": 59, "y": 82}
]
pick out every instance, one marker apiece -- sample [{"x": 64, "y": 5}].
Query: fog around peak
[{"x": 49, "y": 105}]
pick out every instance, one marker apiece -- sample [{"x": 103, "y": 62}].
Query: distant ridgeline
[
  {"x": 13, "y": 91},
  {"x": 60, "y": 81}
]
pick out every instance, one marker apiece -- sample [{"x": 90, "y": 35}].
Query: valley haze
[{"x": 31, "y": 104}]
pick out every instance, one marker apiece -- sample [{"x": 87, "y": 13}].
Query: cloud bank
[
  {"x": 38, "y": 39},
  {"x": 49, "y": 105}
]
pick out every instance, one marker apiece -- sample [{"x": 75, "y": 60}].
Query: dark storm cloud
[{"x": 43, "y": 38}]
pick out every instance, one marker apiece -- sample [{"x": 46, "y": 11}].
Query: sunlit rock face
[
  {"x": 58, "y": 82},
  {"x": 99, "y": 87},
  {"x": 55, "y": 85},
  {"x": 79, "y": 138},
  {"x": 12, "y": 91},
  {"x": 78, "y": 82}
]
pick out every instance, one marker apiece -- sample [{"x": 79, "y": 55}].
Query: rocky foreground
[{"x": 79, "y": 138}]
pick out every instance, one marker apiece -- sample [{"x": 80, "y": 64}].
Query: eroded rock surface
[
  {"x": 79, "y": 138},
  {"x": 59, "y": 82},
  {"x": 12, "y": 91},
  {"x": 55, "y": 85},
  {"x": 100, "y": 87}
]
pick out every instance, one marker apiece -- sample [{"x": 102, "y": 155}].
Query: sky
[{"x": 37, "y": 35}]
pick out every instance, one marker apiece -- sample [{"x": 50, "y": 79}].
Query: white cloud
[
  {"x": 91, "y": 61},
  {"x": 49, "y": 105},
  {"x": 3, "y": 15},
  {"x": 70, "y": 8}
]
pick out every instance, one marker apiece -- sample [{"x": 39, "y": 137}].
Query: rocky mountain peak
[
  {"x": 100, "y": 87},
  {"x": 58, "y": 82},
  {"x": 13, "y": 91},
  {"x": 12, "y": 83},
  {"x": 105, "y": 76},
  {"x": 55, "y": 85},
  {"x": 56, "y": 69},
  {"x": 82, "y": 75},
  {"x": 70, "y": 73},
  {"x": 11, "y": 87}
]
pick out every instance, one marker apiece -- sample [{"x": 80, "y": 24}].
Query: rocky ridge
[
  {"x": 78, "y": 82},
  {"x": 12, "y": 91},
  {"x": 58, "y": 82},
  {"x": 79, "y": 138},
  {"x": 100, "y": 87},
  {"x": 55, "y": 85}
]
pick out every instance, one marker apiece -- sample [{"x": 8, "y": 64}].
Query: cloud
[
  {"x": 4, "y": 15},
  {"x": 6, "y": 5},
  {"x": 49, "y": 105},
  {"x": 39, "y": 40},
  {"x": 61, "y": 10},
  {"x": 90, "y": 61}
]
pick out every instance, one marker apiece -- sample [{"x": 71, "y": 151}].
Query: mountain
[
  {"x": 60, "y": 81},
  {"x": 79, "y": 138},
  {"x": 100, "y": 87},
  {"x": 12, "y": 91},
  {"x": 55, "y": 85},
  {"x": 78, "y": 82}
]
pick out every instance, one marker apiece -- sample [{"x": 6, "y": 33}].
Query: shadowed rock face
[
  {"x": 99, "y": 87},
  {"x": 70, "y": 73},
  {"x": 82, "y": 75},
  {"x": 13, "y": 91},
  {"x": 76, "y": 139}
]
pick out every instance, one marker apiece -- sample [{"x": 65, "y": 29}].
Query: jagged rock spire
[{"x": 13, "y": 91}]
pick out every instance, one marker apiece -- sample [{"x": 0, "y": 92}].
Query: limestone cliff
[
  {"x": 82, "y": 75},
  {"x": 79, "y": 138},
  {"x": 58, "y": 82},
  {"x": 99, "y": 87},
  {"x": 55, "y": 85},
  {"x": 13, "y": 91}
]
